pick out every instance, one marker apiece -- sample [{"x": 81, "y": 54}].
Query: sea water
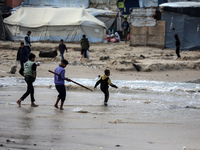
[
  {"x": 140, "y": 115},
  {"x": 181, "y": 94}
]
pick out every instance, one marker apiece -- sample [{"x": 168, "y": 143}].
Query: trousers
[
  {"x": 30, "y": 89},
  {"x": 178, "y": 52},
  {"x": 106, "y": 94}
]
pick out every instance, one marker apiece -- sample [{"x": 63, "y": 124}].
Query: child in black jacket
[{"x": 105, "y": 81}]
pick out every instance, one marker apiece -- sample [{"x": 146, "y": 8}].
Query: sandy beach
[
  {"x": 153, "y": 109},
  {"x": 158, "y": 64}
]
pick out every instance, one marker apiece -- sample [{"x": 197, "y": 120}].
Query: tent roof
[
  {"x": 187, "y": 8},
  {"x": 38, "y": 17},
  {"x": 180, "y": 4}
]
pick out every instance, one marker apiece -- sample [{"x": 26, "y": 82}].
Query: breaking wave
[{"x": 124, "y": 85}]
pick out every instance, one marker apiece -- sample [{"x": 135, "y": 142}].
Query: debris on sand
[
  {"x": 83, "y": 111},
  {"x": 80, "y": 110},
  {"x": 115, "y": 121},
  {"x": 8, "y": 141},
  {"x": 13, "y": 69},
  {"x": 147, "y": 102},
  {"x": 192, "y": 107}
]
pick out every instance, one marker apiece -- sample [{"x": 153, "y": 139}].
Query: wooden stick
[{"x": 72, "y": 81}]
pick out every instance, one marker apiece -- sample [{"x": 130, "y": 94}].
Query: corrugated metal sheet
[{"x": 141, "y": 17}]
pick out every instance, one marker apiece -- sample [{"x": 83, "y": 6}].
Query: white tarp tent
[{"x": 54, "y": 24}]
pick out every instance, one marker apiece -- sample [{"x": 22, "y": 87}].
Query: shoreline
[{"x": 91, "y": 73}]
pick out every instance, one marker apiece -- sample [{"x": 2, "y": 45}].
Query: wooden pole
[{"x": 72, "y": 81}]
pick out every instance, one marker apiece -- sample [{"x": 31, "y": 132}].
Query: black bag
[{"x": 21, "y": 71}]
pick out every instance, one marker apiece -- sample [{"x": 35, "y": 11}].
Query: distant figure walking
[
  {"x": 60, "y": 83},
  {"x": 125, "y": 27},
  {"x": 22, "y": 56},
  {"x": 105, "y": 81},
  {"x": 30, "y": 76},
  {"x": 27, "y": 41},
  {"x": 85, "y": 47},
  {"x": 178, "y": 45},
  {"x": 62, "y": 47}
]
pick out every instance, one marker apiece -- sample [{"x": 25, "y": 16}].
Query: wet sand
[
  {"x": 138, "y": 120},
  {"x": 127, "y": 123}
]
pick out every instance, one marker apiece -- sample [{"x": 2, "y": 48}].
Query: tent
[
  {"x": 99, "y": 4},
  {"x": 182, "y": 19},
  {"x": 54, "y": 24}
]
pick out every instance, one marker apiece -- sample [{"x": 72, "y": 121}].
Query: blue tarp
[{"x": 186, "y": 27}]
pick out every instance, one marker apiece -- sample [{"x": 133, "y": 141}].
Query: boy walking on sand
[
  {"x": 30, "y": 76},
  {"x": 60, "y": 83},
  {"x": 105, "y": 81}
]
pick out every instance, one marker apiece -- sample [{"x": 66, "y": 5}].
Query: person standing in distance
[
  {"x": 27, "y": 41},
  {"x": 125, "y": 27},
  {"x": 30, "y": 77},
  {"x": 62, "y": 47},
  {"x": 85, "y": 46}
]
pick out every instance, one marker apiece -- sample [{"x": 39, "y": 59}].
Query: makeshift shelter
[
  {"x": 54, "y": 24},
  {"x": 145, "y": 29},
  {"x": 182, "y": 19}
]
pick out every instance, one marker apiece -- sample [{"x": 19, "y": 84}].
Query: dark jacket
[
  {"x": 178, "y": 43},
  {"x": 104, "y": 81},
  {"x": 62, "y": 48},
  {"x": 22, "y": 54},
  {"x": 85, "y": 43}
]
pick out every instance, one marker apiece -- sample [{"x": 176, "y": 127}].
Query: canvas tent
[
  {"x": 54, "y": 24},
  {"x": 180, "y": 20}
]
